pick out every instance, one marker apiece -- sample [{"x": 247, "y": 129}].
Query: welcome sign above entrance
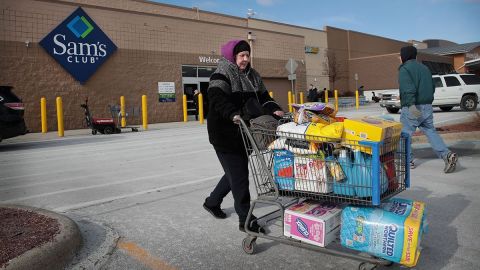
[
  {"x": 79, "y": 45},
  {"x": 208, "y": 60}
]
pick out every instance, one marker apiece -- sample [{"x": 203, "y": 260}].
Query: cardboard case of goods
[
  {"x": 316, "y": 223},
  {"x": 369, "y": 128},
  {"x": 373, "y": 129}
]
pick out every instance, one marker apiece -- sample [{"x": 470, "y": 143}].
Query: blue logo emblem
[
  {"x": 302, "y": 227},
  {"x": 79, "y": 45}
]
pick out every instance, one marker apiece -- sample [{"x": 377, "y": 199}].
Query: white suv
[{"x": 450, "y": 90}]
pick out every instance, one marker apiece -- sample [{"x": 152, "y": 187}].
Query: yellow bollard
[
  {"x": 122, "y": 111},
  {"x": 60, "y": 117},
  {"x": 43, "y": 114},
  {"x": 185, "y": 108},
  {"x": 290, "y": 101},
  {"x": 200, "y": 108},
  {"x": 144, "y": 112},
  {"x": 271, "y": 94},
  {"x": 336, "y": 100},
  {"x": 326, "y": 96},
  {"x": 301, "y": 97},
  {"x": 356, "y": 99}
]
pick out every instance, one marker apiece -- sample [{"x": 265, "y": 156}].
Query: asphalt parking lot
[{"x": 137, "y": 198}]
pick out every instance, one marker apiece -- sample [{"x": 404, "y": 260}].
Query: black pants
[{"x": 235, "y": 166}]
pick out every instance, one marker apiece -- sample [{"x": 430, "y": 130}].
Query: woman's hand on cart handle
[
  {"x": 236, "y": 119},
  {"x": 279, "y": 113}
]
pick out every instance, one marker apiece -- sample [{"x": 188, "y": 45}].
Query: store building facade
[{"x": 156, "y": 45}]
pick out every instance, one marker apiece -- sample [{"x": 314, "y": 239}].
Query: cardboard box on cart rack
[
  {"x": 372, "y": 129},
  {"x": 316, "y": 223}
]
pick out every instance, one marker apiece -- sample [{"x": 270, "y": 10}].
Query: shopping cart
[{"x": 376, "y": 172}]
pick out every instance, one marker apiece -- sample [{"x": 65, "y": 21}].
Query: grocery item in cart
[
  {"x": 392, "y": 232},
  {"x": 372, "y": 129},
  {"x": 311, "y": 174},
  {"x": 317, "y": 107},
  {"x": 358, "y": 172},
  {"x": 313, "y": 222},
  {"x": 283, "y": 169},
  {"x": 304, "y": 116},
  {"x": 321, "y": 133},
  {"x": 292, "y": 130}
]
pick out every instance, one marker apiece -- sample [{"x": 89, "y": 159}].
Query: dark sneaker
[
  {"x": 254, "y": 227},
  {"x": 450, "y": 162},
  {"x": 215, "y": 211},
  {"x": 412, "y": 165}
]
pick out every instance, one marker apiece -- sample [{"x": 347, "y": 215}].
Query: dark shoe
[
  {"x": 450, "y": 162},
  {"x": 254, "y": 227},
  {"x": 215, "y": 211},
  {"x": 412, "y": 165}
]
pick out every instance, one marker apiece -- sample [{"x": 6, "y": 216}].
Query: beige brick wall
[
  {"x": 151, "y": 49},
  {"x": 316, "y": 72}
]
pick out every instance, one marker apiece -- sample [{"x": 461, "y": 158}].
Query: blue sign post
[{"x": 79, "y": 45}]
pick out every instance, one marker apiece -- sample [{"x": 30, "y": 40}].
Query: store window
[
  {"x": 205, "y": 71},
  {"x": 189, "y": 71}
]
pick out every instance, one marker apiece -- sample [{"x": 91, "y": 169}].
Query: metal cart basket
[{"x": 326, "y": 169}]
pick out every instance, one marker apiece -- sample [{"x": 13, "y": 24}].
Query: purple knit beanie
[{"x": 231, "y": 48}]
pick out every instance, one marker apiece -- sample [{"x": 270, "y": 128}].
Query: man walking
[
  {"x": 312, "y": 94},
  {"x": 416, "y": 97}
]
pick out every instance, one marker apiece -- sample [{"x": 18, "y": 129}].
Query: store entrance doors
[{"x": 196, "y": 78}]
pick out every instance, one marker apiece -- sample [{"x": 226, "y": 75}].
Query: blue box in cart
[{"x": 283, "y": 169}]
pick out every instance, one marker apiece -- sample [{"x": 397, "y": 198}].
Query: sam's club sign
[{"x": 79, "y": 45}]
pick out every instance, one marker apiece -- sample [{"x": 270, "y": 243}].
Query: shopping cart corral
[{"x": 337, "y": 171}]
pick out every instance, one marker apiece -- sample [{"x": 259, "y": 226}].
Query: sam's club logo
[
  {"x": 80, "y": 27},
  {"x": 79, "y": 45}
]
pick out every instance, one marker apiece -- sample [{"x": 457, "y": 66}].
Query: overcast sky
[{"x": 454, "y": 20}]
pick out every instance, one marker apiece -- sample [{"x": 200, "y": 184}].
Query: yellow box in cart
[{"x": 372, "y": 129}]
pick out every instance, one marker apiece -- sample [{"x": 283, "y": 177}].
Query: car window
[
  {"x": 451, "y": 81},
  {"x": 438, "y": 82},
  {"x": 470, "y": 79}
]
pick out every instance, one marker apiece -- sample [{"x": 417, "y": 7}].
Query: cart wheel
[
  {"x": 249, "y": 245},
  {"x": 94, "y": 132},
  {"x": 366, "y": 266},
  {"x": 108, "y": 130}
]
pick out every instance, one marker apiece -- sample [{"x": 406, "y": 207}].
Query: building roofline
[
  {"x": 286, "y": 24},
  {"x": 189, "y": 9},
  {"x": 365, "y": 34},
  {"x": 116, "y": 9}
]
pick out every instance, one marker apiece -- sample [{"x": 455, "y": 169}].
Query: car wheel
[
  {"x": 108, "y": 130},
  {"x": 393, "y": 110},
  {"x": 469, "y": 103},
  {"x": 446, "y": 108}
]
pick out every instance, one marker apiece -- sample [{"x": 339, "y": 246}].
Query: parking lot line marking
[
  {"x": 93, "y": 186},
  {"x": 109, "y": 199},
  {"x": 143, "y": 256}
]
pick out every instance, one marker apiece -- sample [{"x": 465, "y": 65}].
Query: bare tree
[{"x": 334, "y": 67}]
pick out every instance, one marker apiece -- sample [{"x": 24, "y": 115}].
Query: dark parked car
[{"x": 11, "y": 114}]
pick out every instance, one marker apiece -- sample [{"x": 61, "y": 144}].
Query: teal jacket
[{"x": 415, "y": 83}]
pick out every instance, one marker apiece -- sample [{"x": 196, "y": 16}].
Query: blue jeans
[{"x": 425, "y": 123}]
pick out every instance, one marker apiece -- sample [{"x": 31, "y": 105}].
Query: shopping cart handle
[{"x": 242, "y": 123}]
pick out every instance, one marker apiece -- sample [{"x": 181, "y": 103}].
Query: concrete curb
[
  {"x": 55, "y": 254},
  {"x": 454, "y": 136},
  {"x": 99, "y": 242}
]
